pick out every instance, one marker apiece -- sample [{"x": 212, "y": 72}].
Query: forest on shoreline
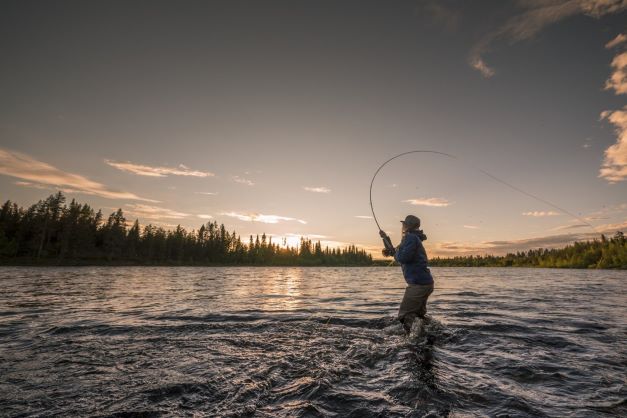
[{"x": 50, "y": 232}]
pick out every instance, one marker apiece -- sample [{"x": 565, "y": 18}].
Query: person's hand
[{"x": 386, "y": 253}]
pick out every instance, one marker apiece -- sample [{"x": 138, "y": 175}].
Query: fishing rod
[{"x": 386, "y": 239}]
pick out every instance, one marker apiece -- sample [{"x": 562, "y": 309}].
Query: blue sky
[{"x": 272, "y": 117}]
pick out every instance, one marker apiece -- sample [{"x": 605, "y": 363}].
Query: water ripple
[{"x": 267, "y": 342}]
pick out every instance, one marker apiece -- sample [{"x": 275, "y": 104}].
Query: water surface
[{"x": 271, "y": 342}]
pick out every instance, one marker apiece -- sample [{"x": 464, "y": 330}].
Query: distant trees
[
  {"x": 51, "y": 232},
  {"x": 599, "y": 253}
]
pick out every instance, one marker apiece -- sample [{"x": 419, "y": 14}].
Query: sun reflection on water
[{"x": 282, "y": 291}]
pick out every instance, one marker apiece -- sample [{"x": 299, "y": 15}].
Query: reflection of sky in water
[
  {"x": 156, "y": 336},
  {"x": 131, "y": 295},
  {"x": 280, "y": 291}
]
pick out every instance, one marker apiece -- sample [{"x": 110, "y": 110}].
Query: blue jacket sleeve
[{"x": 406, "y": 251}]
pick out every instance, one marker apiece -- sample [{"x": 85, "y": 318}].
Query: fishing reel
[{"x": 389, "y": 250}]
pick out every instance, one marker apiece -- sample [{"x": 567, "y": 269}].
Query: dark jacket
[{"x": 412, "y": 256}]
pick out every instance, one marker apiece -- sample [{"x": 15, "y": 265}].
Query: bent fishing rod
[{"x": 386, "y": 239}]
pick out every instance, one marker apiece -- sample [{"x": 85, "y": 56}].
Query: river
[{"x": 267, "y": 342}]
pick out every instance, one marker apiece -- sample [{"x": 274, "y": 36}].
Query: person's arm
[{"x": 406, "y": 250}]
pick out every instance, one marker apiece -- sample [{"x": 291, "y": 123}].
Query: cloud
[
  {"x": 45, "y": 187},
  {"x": 202, "y": 216},
  {"x": 620, "y": 38},
  {"x": 598, "y": 8},
  {"x": 154, "y": 212},
  {"x": 363, "y": 216},
  {"x": 238, "y": 179},
  {"x": 614, "y": 166},
  {"x": 612, "y": 228},
  {"x": 207, "y": 193},
  {"x": 293, "y": 240},
  {"x": 536, "y": 15},
  {"x": 540, "y": 214},
  {"x": 150, "y": 171},
  {"x": 618, "y": 78},
  {"x": 430, "y": 201},
  {"x": 507, "y": 246},
  {"x": 310, "y": 236},
  {"x": 32, "y": 185},
  {"x": 502, "y": 247},
  {"x": 25, "y": 167},
  {"x": 258, "y": 217},
  {"x": 317, "y": 189},
  {"x": 573, "y": 226},
  {"x": 479, "y": 64},
  {"x": 471, "y": 227},
  {"x": 606, "y": 210}
]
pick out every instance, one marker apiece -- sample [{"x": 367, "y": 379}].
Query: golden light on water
[{"x": 282, "y": 291}]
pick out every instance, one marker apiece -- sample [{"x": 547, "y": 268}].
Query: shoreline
[{"x": 33, "y": 263}]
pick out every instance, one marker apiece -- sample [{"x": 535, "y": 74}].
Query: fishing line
[{"x": 492, "y": 176}]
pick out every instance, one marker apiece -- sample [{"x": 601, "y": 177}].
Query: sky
[{"x": 273, "y": 116}]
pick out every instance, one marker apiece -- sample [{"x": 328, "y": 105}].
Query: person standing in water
[{"x": 412, "y": 257}]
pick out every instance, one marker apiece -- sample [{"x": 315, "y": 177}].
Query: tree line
[
  {"x": 601, "y": 253},
  {"x": 52, "y": 232}
]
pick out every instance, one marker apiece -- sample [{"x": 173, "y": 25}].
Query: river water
[{"x": 266, "y": 342}]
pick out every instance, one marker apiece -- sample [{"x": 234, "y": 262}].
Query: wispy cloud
[
  {"x": 310, "y": 236},
  {"x": 571, "y": 226},
  {"x": 620, "y": 38},
  {"x": 540, "y": 214},
  {"x": 429, "y": 201},
  {"x": 240, "y": 180},
  {"x": 501, "y": 247},
  {"x": 207, "y": 193},
  {"x": 25, "y": 167},
  {"x": 258, "y": 217},
  {"x": 533, "y": 18},
  {"x": 32, "y": 185},
  {"x": 363, "y": 216},
  {"x": 156, "y": 171},
  {"x": 479, "y": 64},
  {"x": 202, "y": 216},
  {"x": 607, "y": 210},
  {"x": 154, "y": 212},
  {"x": 505, "y": 246},
  {"x": 321, "y": 189},
  {"x": 63, "y": 189},
  {"x": 471, "y": 227},
  {"x": 614, "y": 166}
]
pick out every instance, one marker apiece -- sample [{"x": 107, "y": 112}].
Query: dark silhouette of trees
[{"x": 51, "y": 232}]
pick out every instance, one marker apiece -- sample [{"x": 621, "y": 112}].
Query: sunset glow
[{"x": 281, "y": 135}]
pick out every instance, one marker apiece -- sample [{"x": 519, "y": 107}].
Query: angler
[
  {"x": 412, "y": 257},
  {"x": 411, "y": 253}
]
